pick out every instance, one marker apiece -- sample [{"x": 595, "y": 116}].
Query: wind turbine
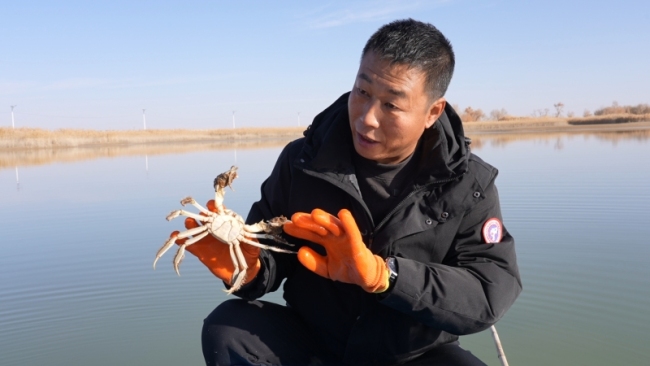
[
  {"x": 12, "y": 115},
  {"x": 233, "y": 119},
  {"x": 144, "y": 119}
]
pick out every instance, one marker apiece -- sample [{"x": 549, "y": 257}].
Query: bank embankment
[
  {"x": 35, "y": 138},
  {"x": 30, "y": 146},
  {"x": 607, "y": 123}
]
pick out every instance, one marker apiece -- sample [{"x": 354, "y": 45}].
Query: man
[{"x": 416, "y": 254}]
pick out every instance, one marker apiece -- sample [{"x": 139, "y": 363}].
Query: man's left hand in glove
[{"x": 348, "y": 259}]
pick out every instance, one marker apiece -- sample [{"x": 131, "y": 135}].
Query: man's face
[{"x": 389, "y": 109}]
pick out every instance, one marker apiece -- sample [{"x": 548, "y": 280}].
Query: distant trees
[
  {"x": 540, "y": 112},
  {"x": 498, "y": 114},
  {"x": 472, "y": 115},
  {"x": 615, "y": 108}
]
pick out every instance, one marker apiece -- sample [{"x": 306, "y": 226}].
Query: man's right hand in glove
[{"x": 216, "y": 255}]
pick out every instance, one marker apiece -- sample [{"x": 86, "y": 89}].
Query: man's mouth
[{"x": 365, "y": 139}]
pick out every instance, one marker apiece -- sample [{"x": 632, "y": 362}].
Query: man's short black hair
[{"x": 416, "y": 44}]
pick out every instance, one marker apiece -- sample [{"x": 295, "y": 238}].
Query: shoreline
[
  {"x": 560, "y": 125},
  {"x": 30, "y": 147},
  {"x": 34, "y": 138}
]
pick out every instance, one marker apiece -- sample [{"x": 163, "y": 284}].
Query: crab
[{"x": 226, "y": 226}]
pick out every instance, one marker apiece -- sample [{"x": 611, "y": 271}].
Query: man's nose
[{"x": 369, "y": 117}]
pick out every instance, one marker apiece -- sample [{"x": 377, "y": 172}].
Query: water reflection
[
  {"x": 77, "y": 282},
  {"x": 31, "y": 157},
  {"x": 503, "y": 139},
  {"x": 17, "y": 179}
]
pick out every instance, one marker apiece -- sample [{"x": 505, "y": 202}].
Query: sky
[{"x": 193, "y": 64}]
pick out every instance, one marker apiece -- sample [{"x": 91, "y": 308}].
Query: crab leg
[
  {"x": 192, "y": 201},
  {"x": 168, "y": 244},
  {"x": 219, "y": 193},
  {"x": 263, "y": 246},
  {"x": 223, "y": 180},
  {"x": 241, "y": 276},
  {"x": 174, "y": 214},
  {"x": 235, "y": 263},
  {"x": 191, "y": 232},
  {"x": 181, "y": 251},
  {"x": 275, "y": 238}
]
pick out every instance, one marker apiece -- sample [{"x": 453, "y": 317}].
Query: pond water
[{"x": 79, "y": 238}]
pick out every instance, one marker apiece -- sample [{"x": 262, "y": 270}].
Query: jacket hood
[{"x": 328, "y": 145}]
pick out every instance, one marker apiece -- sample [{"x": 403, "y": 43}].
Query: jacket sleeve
[
  {"x": 273, "y": 202},
  {"x": 474, "y": 285}
]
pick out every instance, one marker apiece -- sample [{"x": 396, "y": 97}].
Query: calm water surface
[{"x": 77, "y": 287}]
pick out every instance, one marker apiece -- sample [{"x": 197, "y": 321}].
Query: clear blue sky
[{"x": 97, "y": 64}]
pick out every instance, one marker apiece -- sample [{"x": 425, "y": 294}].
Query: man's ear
[{"x": 435, "y": 110}]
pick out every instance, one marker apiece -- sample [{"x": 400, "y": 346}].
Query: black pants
[{"x": 239, "y": 332}]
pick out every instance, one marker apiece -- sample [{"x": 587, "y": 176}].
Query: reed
[
  {"x": 609, "y": 119},
  {"x": 35, "y": 138},
  {"x": 517, "y": 124},
  {"x": 623, "y": 122},
  {"x": 10, "y": 158},
  {"x": 41, "y": 138},
  {"x": 32, "y": 157}
]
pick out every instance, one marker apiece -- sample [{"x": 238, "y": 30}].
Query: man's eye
[
  {"x": 362, "y": 92},
  {"x": 390, "y": 105}
]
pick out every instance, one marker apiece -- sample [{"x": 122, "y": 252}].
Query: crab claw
[{"x": 225, "y": 179}]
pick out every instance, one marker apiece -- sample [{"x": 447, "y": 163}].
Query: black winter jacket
[{"x": 450, "y": 282}]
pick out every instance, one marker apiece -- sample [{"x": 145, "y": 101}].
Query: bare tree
[
  {"x": 472, "y": 115},
  {"x": 498, "y": 114},
  {"x": 587, "y": 113},
  {"x": 558, "y": 109},
  {"x": 640, "y": 109},
  {"x": 540, "y": 112},
  {"x": 614, "y": 109}
]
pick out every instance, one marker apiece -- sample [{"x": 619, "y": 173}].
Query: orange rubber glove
[
  {"x": 348, "y": 259},
  {"x": 216, "y": 255}
]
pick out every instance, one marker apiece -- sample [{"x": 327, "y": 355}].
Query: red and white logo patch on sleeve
[{"x": 492, "y": 231}]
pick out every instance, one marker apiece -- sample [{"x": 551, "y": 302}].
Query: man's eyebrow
[
  {"x": 365, "y": 77},
  {"x": 398, "y": 93}
]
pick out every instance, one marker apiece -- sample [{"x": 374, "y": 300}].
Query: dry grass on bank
[
  {"x": 41, "y": 138},
  {"x": 32, "y": 157},
  {"x": 35, "y": 138},
  {"x": 516, "y": 124},
  {"x": 550, "y": 124},
  {"x": 609, "y": 119}
]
